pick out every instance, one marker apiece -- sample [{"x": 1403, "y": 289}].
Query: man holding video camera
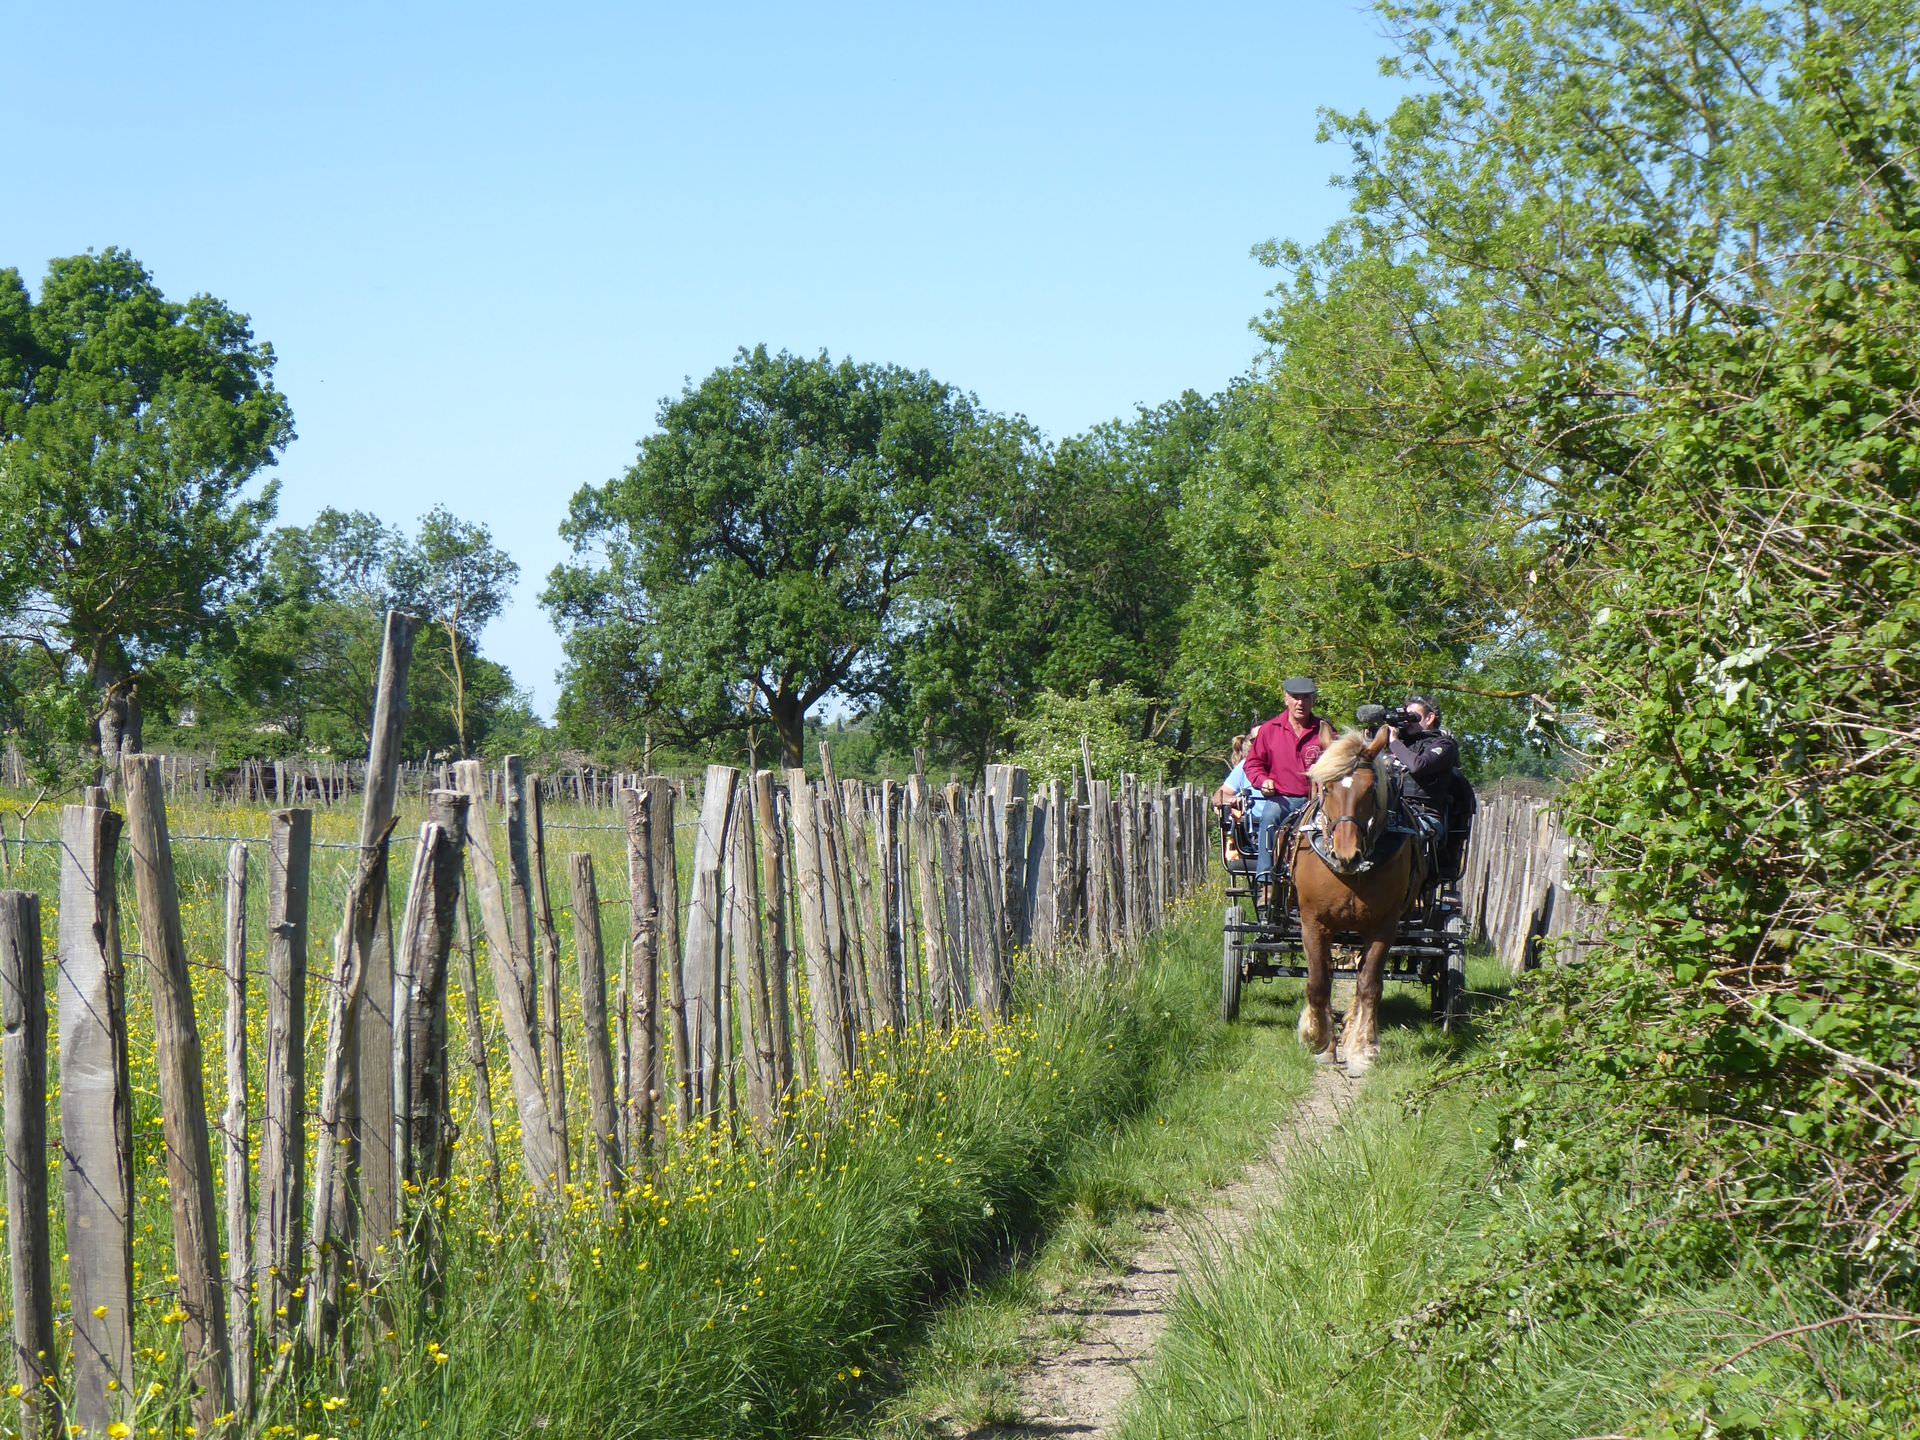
[{"x": 1427, "y": 759}]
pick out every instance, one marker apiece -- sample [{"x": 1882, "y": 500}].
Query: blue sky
[{"x": 486, "y": 240}]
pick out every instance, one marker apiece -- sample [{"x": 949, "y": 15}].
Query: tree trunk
[
  {"x": 789, "y": 718},
  {"x": 459, "y": 687},
  {"x": 117, "y": 724}
]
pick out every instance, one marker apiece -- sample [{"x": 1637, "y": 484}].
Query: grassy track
[
  {"x": 1364, "y": 1302},
  {"x": 1212, "y": 1103}
]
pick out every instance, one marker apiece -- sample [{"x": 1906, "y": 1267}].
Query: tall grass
[
  {"x": 1368, "y": 1301},
  {"x": 754, "y": 1288},
  {"x": 747, "y": 1287}
]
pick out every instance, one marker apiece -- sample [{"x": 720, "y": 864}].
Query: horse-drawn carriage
[{"x": 1377, "y": 887}]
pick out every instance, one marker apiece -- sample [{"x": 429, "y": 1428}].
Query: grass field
[
  {"x": 1371, "y": 1301},
  {"x": 755, "y": 1284}
]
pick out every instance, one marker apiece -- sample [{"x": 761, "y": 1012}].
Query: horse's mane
[{"x": 1343, "y": 757}]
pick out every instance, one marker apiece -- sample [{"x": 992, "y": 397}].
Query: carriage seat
[{"x": 1237, "y": 841}]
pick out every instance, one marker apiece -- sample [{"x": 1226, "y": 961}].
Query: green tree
[
  {"x": 1647, "y": 276},
  {"x": 455, "y": 576},
  {"x": 1112, "y": 580},
  {"x": 300, "y": 672},
  {"x": 1060, "y": 733},
  {"x": 1076, "y": 583},
  {"x": 130, "y": 427},
  {"x": 762, "y": 551}
]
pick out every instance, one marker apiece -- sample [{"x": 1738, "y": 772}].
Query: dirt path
[{"x": 1081, "y": 1389}]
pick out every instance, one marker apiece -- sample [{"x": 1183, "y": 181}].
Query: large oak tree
[
  {"x": 130, "y": 426},
  {"x": 763, "y": 551}
]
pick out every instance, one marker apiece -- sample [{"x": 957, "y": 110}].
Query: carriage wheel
[
  {"x": 1230, "y": 967},
  {"x": 1450, "y": 1003}
]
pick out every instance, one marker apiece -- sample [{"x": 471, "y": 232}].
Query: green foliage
[
  {"x": 1421, "y": 1274},
  {"x": 1085, "y": 586},
  {"x": 1605, "y": 395},
  {"x": 763, "y": 551},
  {"x": 297, "y": 672},
  {"x": 1108, "y": 723},
  {"x": 130, "y": 426}
]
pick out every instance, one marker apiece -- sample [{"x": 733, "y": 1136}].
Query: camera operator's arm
[{"x": 1434, "y": 754}]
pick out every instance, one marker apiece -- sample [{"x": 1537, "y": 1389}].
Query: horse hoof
[
  {"x": 1328, "y": 1056},
  {"x": 1358, "y": 1065}
]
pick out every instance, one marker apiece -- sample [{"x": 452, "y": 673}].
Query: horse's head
[{"x": 1350, "y": 791}]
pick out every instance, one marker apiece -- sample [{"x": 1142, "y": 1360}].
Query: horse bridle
[{"x": 1369, "y": 836}]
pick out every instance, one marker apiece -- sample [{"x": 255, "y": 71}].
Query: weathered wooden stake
[
  {"x": 643, "y": 972},
  {"x": 750, "y": 962},
  {"x": 824, "y": 999},
  {"x": 96, "y": 1117},
  {"x": 23, "y": 1081},
  {"x": 233, "y": 1134},
  {"x": 596, "y": 1046},
  {"x": 553, "y": 1035},
  {"x": 333, "y": 1216},
  {"x": 513, "y": 985},
  {"x": 423, "y": 1118},
  {"x": 476, "y": 1033},
  {"x": 933, "y": 914},
  {"x": 700, "y": 1062},
  {"x": 183, "y": 1101},
  {"x": 773, "y": 900},
  {"x": 280, "y": 1240},
  {"x": 368, "y": 1113}
]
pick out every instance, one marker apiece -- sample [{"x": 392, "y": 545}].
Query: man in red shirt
[{"x": 1284, "y": 749}]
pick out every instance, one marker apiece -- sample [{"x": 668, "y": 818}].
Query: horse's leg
[
  {"x": 1316, "y": 1015},
  {"x": 1362, "y": 1036}
]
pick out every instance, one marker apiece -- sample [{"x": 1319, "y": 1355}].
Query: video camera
[{"x": 1370, "y": 717}]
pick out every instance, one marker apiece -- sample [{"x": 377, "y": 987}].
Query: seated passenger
[
  {"x": 1284, "y": 749},
  {"x": 1426, "y": 760},
  {"x": 1230, "y": 800}
]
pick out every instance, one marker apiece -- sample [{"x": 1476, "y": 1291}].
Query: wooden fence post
[
  {"x": 368, "y": 1112},
  {"x": 980, "y": 854},
  {"x": 183, "y": 1101},
  {"x": 643, "y": 982},
  {"x": 551, "y": 1020},
  {"x": 864, "y": 902},
  {"x": 701, "y": 1062},
  {"x": 96, "y": 1117},
  {"x": 744, "y": 940},
  {"x": 1100, "y": 919},
  {"x": 512, "y": 987},
  {"x": 1014, "y": 818},
  {"x": 596, "y": 1045},
  {"x": 234, "y": 1140},
  {"x": 477, "y": 1041},
  {"x": 23, "y": 1080},
  {"x": 893, "y": 946},
  {"x": 773, "y": 900},
  {"x": 332, "y": 1226},
  {"x": 963, "y": 956},
  {"x": 933, "y": 915},
  {"x": 422, "y": 1116},
  {"x": 824, "y": 996},
  {"x": 280, "y": 1243},
  {"x": 666, "y": 887}
]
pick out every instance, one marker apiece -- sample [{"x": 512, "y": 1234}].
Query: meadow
[{"x": 749, "y": 1282}]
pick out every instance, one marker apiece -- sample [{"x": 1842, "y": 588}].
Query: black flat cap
[{"x": 1300, "y": 685}]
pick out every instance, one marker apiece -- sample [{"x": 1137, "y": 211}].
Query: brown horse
[{"x": 1349, "y": 884}]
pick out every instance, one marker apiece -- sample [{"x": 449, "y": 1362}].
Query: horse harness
[{"x": 1379, "y": 847}]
